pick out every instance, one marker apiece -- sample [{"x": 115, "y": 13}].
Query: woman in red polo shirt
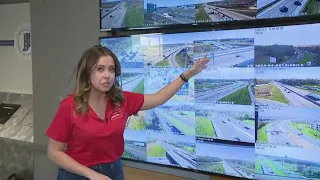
[{"x": 86, "y": 134}]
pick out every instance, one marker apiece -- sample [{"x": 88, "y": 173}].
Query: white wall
[{"x": 15, "y": 69}]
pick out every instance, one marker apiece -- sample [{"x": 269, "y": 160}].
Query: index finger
[{"x": 205, "y": 56}]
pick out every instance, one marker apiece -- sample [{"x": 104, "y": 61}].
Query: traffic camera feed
[
  {"x": 253, "y": 112},
  {"x": 225, "y": 86},
  {"x": 287, "y": 86},
  {"x": 225, "y": 10},
  {"x": 170, "y": 149},
  {"x": 157, "y": 78},
  {"x": 233, "y": 160},
  {"x": 285, "y": 162},
  {"x": 164, "y": 12},
  {"x": 290, "y": 46},
  {"x": 286, "y": 8},
  {"x": 169, "y": 50},
  {"x": 172, "y": 120},
  {"x": 121, "y": 13},
  {"x": 232, "y": 48},
  {"x": 225, "y": 122},
  {"x": 289, "y": 126},
  {"x": 135, "y": 145},
  {"x": 128, "y": 50}
]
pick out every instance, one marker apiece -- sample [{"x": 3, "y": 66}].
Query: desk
[{"x": 20, "y": 125}]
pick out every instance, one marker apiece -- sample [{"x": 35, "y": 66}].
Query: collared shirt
[{"x": 91, "y": 140}]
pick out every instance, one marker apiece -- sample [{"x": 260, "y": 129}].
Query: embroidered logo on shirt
[{"x": 116, "y": 114}]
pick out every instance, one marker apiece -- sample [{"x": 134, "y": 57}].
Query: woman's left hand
[{"x": 199, "y": 65}]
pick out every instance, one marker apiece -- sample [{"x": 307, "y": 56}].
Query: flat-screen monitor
[
  {"x": 139, "y": 14},
  {"x": 155, "y": 13},
  {"x": 254, "y": 112}
]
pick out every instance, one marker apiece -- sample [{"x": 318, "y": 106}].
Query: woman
[{"x": 86, "y": 134}]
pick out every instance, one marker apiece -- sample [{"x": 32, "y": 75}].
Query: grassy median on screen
[
  {"x": 155, "y": 149},
  {"x": 201, "y": 15},
  {"x": 213, "y": 167},
  {"x": 250, "y": 122},
  {"x": 274, "y": 93},
  {"x": 179, "y": 60},
  {"x": 307, "y": 57},
  {"x": 134, "y": 16},
  {"x": 127, "y": 155},
  {"x": 136, "y": 123},
  {"x": 312, "y": 7},
  {"x": 275, "y": 167},
  {"x": 262, "y": 133},
  {"x": 184, "y": 128},
  {"x": 190, "y": 149},
  {"x": 139, "y": 88},
  {"x": 204, "y": 128},
  {"x": 308, "y": 88},
  {"x": 259, "y": 167},
  {"x": 241, "y": 96},
  {"x": 306, "y": 130},
  {"x": 163, "y": 63}
]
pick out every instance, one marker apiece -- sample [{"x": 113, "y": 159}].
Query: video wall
[
  {"x": 150, "y": 13},
  {"x": 254, "y": 112}
]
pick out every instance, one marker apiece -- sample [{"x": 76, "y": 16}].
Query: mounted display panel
[
  {"x": 145, "y": 14},
  {"x": 252, "y": 113},
  {"x": 158, "y": 13}
]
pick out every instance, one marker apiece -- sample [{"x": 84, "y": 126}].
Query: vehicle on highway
[
  {"x": 236, "y": 138},
  {"x": 111, "y": 16},
  {"x": 283, "y": 9},
  {"x": 297, "y": 3},
  {"x": 223, "y": 121},
  {"x": 174, "y": 130}
]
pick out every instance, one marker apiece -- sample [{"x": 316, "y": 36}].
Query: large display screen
[
  {"x": 253, "y": 113},
  {"x": 158, "y": 13},
  {"x": 150, "y": 13}
]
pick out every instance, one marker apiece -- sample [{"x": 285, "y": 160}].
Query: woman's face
[{"x": 103, "y": 75}]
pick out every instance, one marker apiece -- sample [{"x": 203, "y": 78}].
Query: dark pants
[{"x": 112, "y": 170}]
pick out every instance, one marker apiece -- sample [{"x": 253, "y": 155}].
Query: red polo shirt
[{"x": 89, "y": 139}]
